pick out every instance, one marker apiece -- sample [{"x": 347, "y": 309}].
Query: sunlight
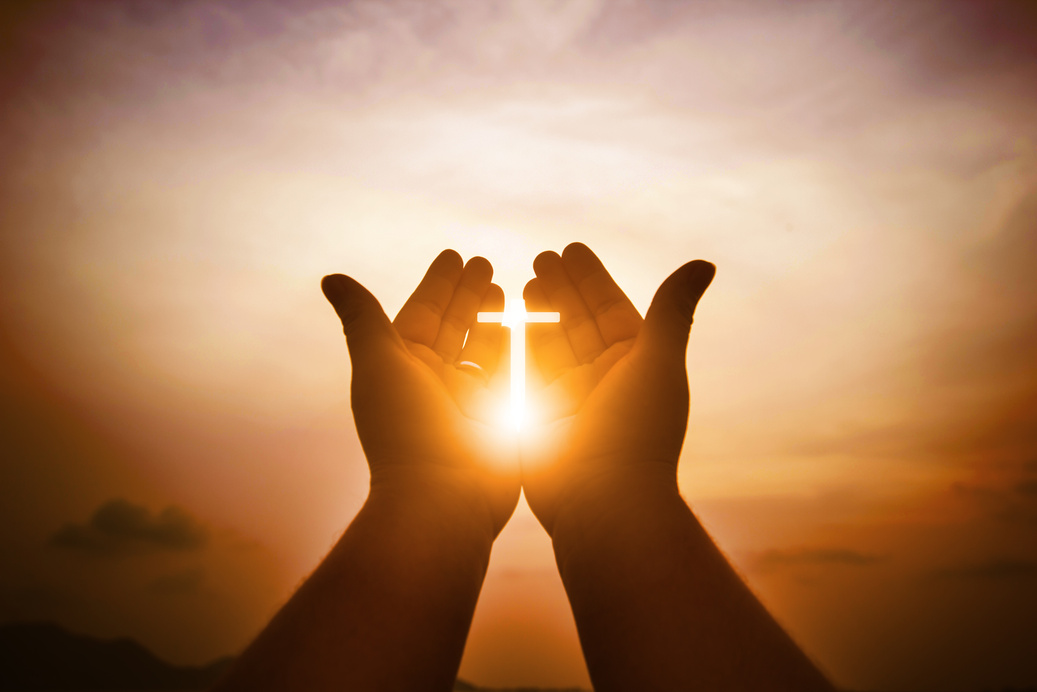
[{"x": 515, "y": 318}]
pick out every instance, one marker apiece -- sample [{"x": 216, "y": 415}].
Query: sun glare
[{"x": 516, "y": 318}]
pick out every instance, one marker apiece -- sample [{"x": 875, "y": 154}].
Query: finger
[
  {"x": 616, "y": 316},
  {"x": 460, "y": 312},
  {"x": 483, "y": 347},
  {"x": 551, "y": 351},
  {"x": 419, "y": 318},
  {"x": 576, "y": 320},
  {"x": 367, "y": 329},
  {"x": 669, "y": 318}
]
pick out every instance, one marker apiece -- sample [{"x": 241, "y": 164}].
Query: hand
[
  {"x": 417, "y": 409},
  {"x": 657, "y": 605},
  {"x": 615, "y": 385},
  {"x": 390, "y": 606}
]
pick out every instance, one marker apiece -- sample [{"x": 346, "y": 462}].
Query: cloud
[
  {"x": 990, "y": 570},
  {"x": 818, "y": 557},
  {"x": 1010, "y": 498},
  {"x": 1027, "y": 488},
  {"x": 119, "y": 527},
  {"x": 179, "y": 583}
]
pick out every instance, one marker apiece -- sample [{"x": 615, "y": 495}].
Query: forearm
[
  {"x": 658, "y": 606},
  {"x": 389, "y": 608}
]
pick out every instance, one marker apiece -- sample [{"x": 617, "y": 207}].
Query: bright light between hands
[{"x": 516, "y": 319}]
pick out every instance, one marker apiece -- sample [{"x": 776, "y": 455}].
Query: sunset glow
[{"x": 861, "y": 442}]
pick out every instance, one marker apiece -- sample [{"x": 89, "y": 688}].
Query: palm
[
  {"x": 415, "y": 405},
  {"x": 617, "y": 394},
  {"x": 445, "y": 406}
]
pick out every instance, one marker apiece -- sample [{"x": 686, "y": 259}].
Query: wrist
[
  {"x": 617, "y": 507},
  {"x": 615, "y": 556},
  {"x": 448, "y": 500}
]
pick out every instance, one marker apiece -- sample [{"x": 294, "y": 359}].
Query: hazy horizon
[{"x": 178, "y": 448}]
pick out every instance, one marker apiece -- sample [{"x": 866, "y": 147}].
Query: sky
[{"x": 177, "y": 447}]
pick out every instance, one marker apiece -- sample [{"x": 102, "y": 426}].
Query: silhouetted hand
[
  {"x": 615, "y": 385},
  {"x": 390, "y": 606},
  {"x": 657, "y": 605},
  {"x": 417, "y": 405}
]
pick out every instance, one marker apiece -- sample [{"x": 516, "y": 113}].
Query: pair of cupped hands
[{"x": 613, "y": 383}]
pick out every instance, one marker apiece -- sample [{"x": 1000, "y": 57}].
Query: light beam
[{"x": 516, "y": 320}]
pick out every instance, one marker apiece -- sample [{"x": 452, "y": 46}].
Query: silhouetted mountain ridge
[
  {"x": 44, "y": 656},
  {"x": 38, "y": 656}
]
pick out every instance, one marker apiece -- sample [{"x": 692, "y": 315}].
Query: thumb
[
  {"x": 365, "y": 324},
  {"x": 670, "y": 315}
]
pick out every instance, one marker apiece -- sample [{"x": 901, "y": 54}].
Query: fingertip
[
  {"x": 479, "y": 266},
  {"x": 687, "y": 284},
  {"x": 534, "y": 295},
  {"x": 581, "y": 262},
  {"x": 494, "y": 298},
  {"x": 672, "y": 310},
  {"x": 703, "y": 271},
  {"x": 697, "y": 276},
  {"x": 537, "y": 300},
  {"x": 449, "y": 258},
  {"x": 334, "y": 287},
  {"x": 544, "y": 260},
  {"x": 347, "y": 296},
  {"x": 577, "y": 249}
]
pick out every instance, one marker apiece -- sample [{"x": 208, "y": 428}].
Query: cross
[{"x": 516, "y": 320}]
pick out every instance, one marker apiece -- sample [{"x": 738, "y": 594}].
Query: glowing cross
[{"x": 516, "y": 320}]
